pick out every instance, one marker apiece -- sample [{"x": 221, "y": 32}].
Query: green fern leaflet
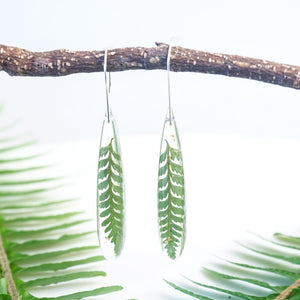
[
  {"x": 42, "y": 243},
  {"x": 269, "y": 271},
  {"x": 171, "y": 201},
  {"x": 3, "y": 290},
  {"x": 110, "y": 198}
]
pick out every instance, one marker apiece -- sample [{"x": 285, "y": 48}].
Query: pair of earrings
[{"x": 110, "y": 190}]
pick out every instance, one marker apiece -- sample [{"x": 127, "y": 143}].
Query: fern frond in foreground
[
  {"x": 41, "y": 240},
  {"x": 270, "y": 272}
]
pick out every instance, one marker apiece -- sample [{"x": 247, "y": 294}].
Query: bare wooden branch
[{"x": 20, "y": 62}]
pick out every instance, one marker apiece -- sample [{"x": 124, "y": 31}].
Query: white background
[{"x": 240, "y": 138}]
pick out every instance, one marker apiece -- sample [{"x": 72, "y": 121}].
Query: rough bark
[{"x": 21, "y": 62}]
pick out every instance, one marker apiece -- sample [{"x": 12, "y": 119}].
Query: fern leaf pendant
[
  {"x": 110, "y": 192},
  {"x": 171, "y": 191}
]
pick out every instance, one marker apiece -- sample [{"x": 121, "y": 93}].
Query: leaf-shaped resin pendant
[
  {"x": 110, "y": 192},
  {"x": 171, "y": 194}
]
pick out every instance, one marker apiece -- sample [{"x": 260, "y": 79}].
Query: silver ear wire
[
  {"x": 169, "y": 90},
  {"x": 107, "y": 84}
]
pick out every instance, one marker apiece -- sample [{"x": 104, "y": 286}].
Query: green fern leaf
[
  {"x": 58, "y": 279},
  {"x": 110, "y": 192},
  {"x": 43, "y": 243},
  {"x": 237, "y": 294},
  {"x": 19, "y": 206},
  {"x": 25, "y": 258},
  {"x": 171, "y": 192},
  {"x": 287, "y": 238},
  {"x": 256, "y": 282},
  {"x": 39, "y": 249},
  {"x": 187, "y": 292},
  {"x": 81, "y": 295},
  {"x": 3, "y": 290},
  {"x": 18, "y": 146},
  {"x": 55, "y": 266},
  {"x": 263, "y": 266}
]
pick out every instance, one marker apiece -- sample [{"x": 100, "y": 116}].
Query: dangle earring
[
  {"x": 110, "y": 189},
  {"x": 171, "y": 193}
]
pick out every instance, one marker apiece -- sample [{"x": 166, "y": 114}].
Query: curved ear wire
[
  {"x": 169, "y": 89},
  {"x": 107, "y": 85}
]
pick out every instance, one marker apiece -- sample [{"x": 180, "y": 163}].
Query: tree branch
[{"x": 20, "y": 62}]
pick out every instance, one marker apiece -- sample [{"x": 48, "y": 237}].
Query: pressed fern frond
[
  {"x": 271, "y": 270},
  {"x": 171, "y": 192},
  {"x": 110, "y": 192},
  {"x": 39, "y": 236}
]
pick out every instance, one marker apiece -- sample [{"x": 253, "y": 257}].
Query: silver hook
[
  {"x": 169, "y": 90},
  {"x": 107, "y": 85}
]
